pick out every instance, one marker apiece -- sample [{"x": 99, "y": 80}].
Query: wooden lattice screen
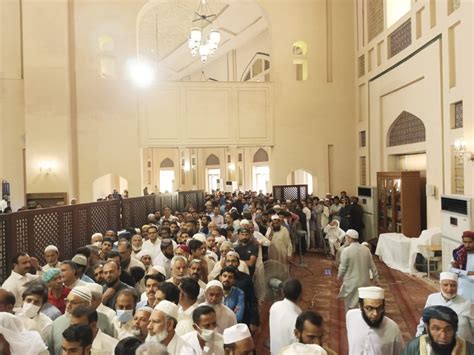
[{"x": 290, "y": 192}]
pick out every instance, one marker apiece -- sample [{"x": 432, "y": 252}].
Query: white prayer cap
[
  {"x": 214, "y": 283},
  {"x": 371, "y": 292},
  {"x": 168, "y": 308},
  {"x": 199, "y": 236},
  {"x": 448, "y": 276},
  {"x": 220, "y": 239},
  {"x": 51, "y": 248},
  {"x": 244, "y": 221},
  {"x": 277, "y": 207},
  {"x": 95, "y": 289},
  {"x": 160, "y": 269},
  {"x": 351, "y": 233},
  {"x": 97, "y": 235},
  {"x": 143, "y": 253},
  {"x": 300, "y": 348},
  {"x": 236, "y": 333},
  {"x": 275, "y": 216},
  {"x": 82, "y": 292},
  {"x": 79, "y": 259},
  {"x": 233, "y": 253},
  {"x": 145, "y": 309}
]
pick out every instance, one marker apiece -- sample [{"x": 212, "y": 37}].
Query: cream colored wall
[
  {"x": 12, "y": 127},
  {"x": 422, "y": 85}
]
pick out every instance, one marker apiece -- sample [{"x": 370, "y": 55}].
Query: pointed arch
[
  {"x": 167, "y": 163},
  {"x": 260, "y": 156},
  {"x": 406, "y": 129},
  {"x": 212, "y": 160}
]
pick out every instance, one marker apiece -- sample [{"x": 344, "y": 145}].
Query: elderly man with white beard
[
  {"x": 449, "y": 297},
  {"x": 214, "y": 297},
  {"x": 162, "y": 326},
  {"x": 369, "y": 331},
  {"x": 141, "y": 320}
]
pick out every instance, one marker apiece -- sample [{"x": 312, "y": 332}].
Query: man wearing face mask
[
  {"x": 449, "y": 297},
  {"x": 204, "y": 339},
  {"x": 33, "y": 299},
  {"x": 162, "y": 326},
  {"x": 141, "y": 320},
  {"x": 369, "y": 331},
  {"x": 51, "y": 255},
  {"x": 97, "y": 239},
  {"x": 137, "y": 245},
  {"x": 125, "y": 308}
]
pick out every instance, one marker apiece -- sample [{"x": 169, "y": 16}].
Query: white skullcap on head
[
  {"x": 79, "y": 259},
  {"x": 277, "y": 207},
  {"x": 220, "y": 239},
  {"x": 168, "y": 308},
  {"x": 448, "y": 276},
  {"x": 233, "y": 253},
  {"x": 94, "y": 288},
  {"x": 214, "y": 283},
  {"x": 199, "y": 236},
  {"x": 97, "y": 235},
  {"x": 145, "y": 309},
  {"x": 82, "y": 292},
  {"x": 160, "y": 269},
  {"x": 236, "y": 333},
  {"x": 275, "y": 216},
  {"x": 51, "y": 248},
  {"x": 300, "y": 348},
  {"x": 371, "y": 292},
  {"x": 351, "y": 233},
  {"x": 244, "y": 221},
  {"x": 144, "y": 252}
]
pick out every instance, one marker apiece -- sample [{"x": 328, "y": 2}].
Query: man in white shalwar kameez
[
  {"x": 214, "y": 295},
  {"x": 354, "y": 270},
  {"x": 283, "y": 316},
  {"x": 369, "y": 332},
  {"x": 281, "y": 248},
  {"x": 334, "y": 235},
  {"x": 448, "y": 297}
]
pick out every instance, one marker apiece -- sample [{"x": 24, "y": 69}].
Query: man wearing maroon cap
[{"x": 463, "y": 265}]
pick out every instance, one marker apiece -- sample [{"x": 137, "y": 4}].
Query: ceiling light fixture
[{"x": 197, "y": 42}]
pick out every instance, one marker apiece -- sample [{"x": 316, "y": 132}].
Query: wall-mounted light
[
  {"x": 46, "y": 166},
  {"x": 186, "y": 166},
  {"x": 231, "y": 166},
  {"x": 460, "y": 149},
  {"x": 142, "y": 73}
]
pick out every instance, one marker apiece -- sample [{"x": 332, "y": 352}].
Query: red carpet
[{"x": 405, "y": 298}]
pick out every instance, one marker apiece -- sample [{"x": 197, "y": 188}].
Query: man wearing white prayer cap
[
  {"x": 214, "y": 294},
  {"x": 300, "y": 348},
  {"x": 51, "y": 255},
  {"x": 369, "y": 331},
  {"x": 448, "y": 296},
  {"x": 281, "y": 247},
  {"x": 238, "y": 340},
  {"x": 162, "y": 327},
  {"x": 354, "y": 269},
  {"x": 96, "y": 302}
]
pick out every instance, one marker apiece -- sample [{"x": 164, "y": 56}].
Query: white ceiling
[{"x": 164, "y": 28}]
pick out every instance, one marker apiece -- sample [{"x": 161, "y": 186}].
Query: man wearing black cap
[{"x": 441, "y": 324}]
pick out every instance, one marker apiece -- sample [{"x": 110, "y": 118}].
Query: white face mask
[
  {"x": 207, "y": 335},
  {"x": 29, "y": 310},
  {"x": 158, "y": 337},
  {"x": 124, "y": 316},
  {"x": 97, "y": 244}
]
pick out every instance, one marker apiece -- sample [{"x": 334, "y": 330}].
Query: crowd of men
[{"x": 185, "y": 283}]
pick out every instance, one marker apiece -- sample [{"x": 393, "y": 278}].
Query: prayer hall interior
[{"x": 282, "y": 132}]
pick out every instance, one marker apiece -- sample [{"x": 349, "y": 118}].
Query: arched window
[
  {"x": 212, "y": 160},
  {"x": 300, "y": 63},
  {"x": 258, "y": 69},
  {"x": 166, "y": 175},
  {"x": 260, "y": 156},
  {"x": 167, "y": 163},
  {"x": 406, "y": 129}
]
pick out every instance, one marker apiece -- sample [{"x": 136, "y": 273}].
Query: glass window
[{"x": 166, "y": 180}]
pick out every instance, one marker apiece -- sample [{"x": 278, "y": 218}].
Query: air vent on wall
[
  {"x": 364, "y": 191},
  {"x": 455, "y": 205}
]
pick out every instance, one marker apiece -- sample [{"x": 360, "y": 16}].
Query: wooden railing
[{"x": 70, "y": 227}]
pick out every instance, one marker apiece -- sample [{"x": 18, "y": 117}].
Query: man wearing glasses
[{"x": 369, "y": 331}]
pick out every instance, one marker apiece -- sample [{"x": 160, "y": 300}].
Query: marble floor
[{"x": 405, "y": 298}]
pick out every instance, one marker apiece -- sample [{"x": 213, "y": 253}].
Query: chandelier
[{"x": 197, "y": 42}]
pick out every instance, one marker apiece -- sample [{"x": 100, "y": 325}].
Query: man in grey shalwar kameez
[{"x": 354, "y": 270}]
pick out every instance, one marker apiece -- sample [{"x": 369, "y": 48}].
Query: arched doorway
[
  {"x": 301, "y": 177},
  {"x": 213, "y": 173},
  {"x": 260, "y": 171},
  {"x": 166, "y": 176},
  {"x": 106, "y": 184}
]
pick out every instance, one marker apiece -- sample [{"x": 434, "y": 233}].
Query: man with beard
[
  {"x": 234, "y": 297},
  {"x": 448, "y": 297},
  {"x": 141, "y": 319},
  {"x": 214, "y": 296},
  {"x": 125, "y": 308},
  {"x": 281, "y": 248},
  {"x": 124, "y": 248},
  {"x": 204, "y": 339},
  {"x": 164, "y": 257},
  {"x": 441, "y": 324},
  {"x": 195, "y": 272},
  {"x": 179, "y": 269},
  {"x": 368, "y": 330},
  {"x": 162, "y": 326},
  {"x": 463, "y": 265},
  {"x": 247, "y": 249},
  {"x": 113, "y": 285}
]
